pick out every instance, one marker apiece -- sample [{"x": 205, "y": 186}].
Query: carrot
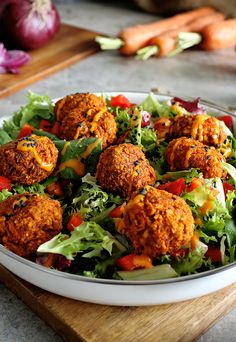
[
  {"x": 219, "y": 35},
  {"x": 136, "y": 37},
  {"x": 166, "y": 42}
]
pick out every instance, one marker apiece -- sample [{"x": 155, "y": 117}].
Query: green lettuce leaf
[
  {"x": 148, "y": 139},
  {"x": 4, "y": 194},
  {"x": 122, "y": 120},
  {"x": 189, "y": 264},
  {"x": 89, "y": 239},
  {"x": 75, "y": 150},
  {"x": 38, "y": 107},
  {"x": 4, "y": 137},
  {"x": 153, "y": 106}
]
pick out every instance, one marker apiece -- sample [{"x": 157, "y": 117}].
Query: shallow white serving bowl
[{"x": 118, "y": 292}]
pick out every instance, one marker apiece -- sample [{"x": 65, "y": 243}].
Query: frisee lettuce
[
  {"x": 89, "y": 239},
  {"x": 92, "y": 202}
]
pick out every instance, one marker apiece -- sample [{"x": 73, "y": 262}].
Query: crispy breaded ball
[
  {"x": 83, "y": 101},
  {"x": 201, "y": 127},
  {"x": 185, "y": 153},
  {"x": 85, "y": 115},
  {"x": 27, "y": 221},
  {"x": 28, "y": 160},
  {"x": 156, "y": 222},
  {"x": 123, "y": 169},
  {"x": 78, "y": 124}
]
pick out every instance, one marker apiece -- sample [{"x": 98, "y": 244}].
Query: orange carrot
[
  {"x": 166, "y": 42},
  {"x": 138, "y": 36},
  {"x": 219, "y": 35}
]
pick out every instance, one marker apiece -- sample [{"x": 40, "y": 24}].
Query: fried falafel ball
[
  {"x": 201, "y": 127},
  {"x": 156, "y": 222},
  {"x": 28, "y": 160},
  {"x": 185, "y": 153},
  {"x": 85, "y": 115},
  {"x": 85, "y": 101},
  {"x": 123, "y": 169},
  {"x": 78, "y": 124},
  {"x": 27, "y": 221}
]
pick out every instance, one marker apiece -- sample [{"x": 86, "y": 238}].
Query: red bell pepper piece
[
  {"x": 45, "y": 125},
  {"x": 5, "y": 183},
  {"x": 116, "y": 212},
  {"x": 55, "y": 189},
  {"x": 25, "y": 131},
  {"x": 120, "y": 101},
  {"x": 214, "y": 254},
  {"x": 176, "y": 187},
  {"x": 74, "y": 221},
  {"x": 227, "y": 187},
  {"x": 131, "y": 262},
  {"x": 56, "y": 129},
  {"x": 228, "y": 120}
]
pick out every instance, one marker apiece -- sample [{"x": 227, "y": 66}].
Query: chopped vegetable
[
  {"x": 190, "y": 106},
  {"x": 120, "y": 101},
  {"x": 5, "y": 183},
  {"x": 154, "y": 273},
  {"x": 25, "y": 131},
  {"x": 214, "y": 254},
  {"x": 131, "y": 262},
  {"x": 74, "y": 221},
  {"x": 11, "y": 61},
  {"x": 175, "y": 187},
  {"x": 146, "y": 118},
  {"x": 228, "y": 120}
]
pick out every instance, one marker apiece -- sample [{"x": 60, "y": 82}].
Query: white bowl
[{"x": 118, "y": 292}]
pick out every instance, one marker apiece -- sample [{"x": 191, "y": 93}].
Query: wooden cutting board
[
  {"x": 78, "y": 321},
  {"x": 70, "y": 45}
]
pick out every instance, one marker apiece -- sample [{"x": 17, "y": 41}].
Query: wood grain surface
[
  {"x": 79, "y": 321},
  {"x": 70, "y": 45}
]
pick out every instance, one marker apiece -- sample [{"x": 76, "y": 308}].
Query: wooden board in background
[
  {"x": 70, "y": 45},
  {"x": 78, "y": 321}
]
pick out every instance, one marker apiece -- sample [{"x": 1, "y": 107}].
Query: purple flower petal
[{"x": 190, "y": 106}]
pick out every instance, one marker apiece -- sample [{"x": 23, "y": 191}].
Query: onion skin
[{"x": 29, "y": 24}]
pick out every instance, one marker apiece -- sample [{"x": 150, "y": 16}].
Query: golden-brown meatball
[
  {"x": 156, "y": 222},
  {"x": 78, "y": 124},
  {"x": 201, "y": 127},
  {"x": 185, "y": 153},
  {"x": 84, "y": 101},
  {"x": 28, "y": 160},
  {"x": 85, "y": 115},
  {"x": 27, "y": 221},
  {"x": 123, "y": 169}
]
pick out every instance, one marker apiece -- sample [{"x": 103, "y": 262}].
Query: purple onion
[
  {"x": 29, "y": 24},
  {"x": 190, "y": 106},
  {"x": 11, "y": 61}
]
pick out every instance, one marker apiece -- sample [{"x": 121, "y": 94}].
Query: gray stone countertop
[{"x": 194, "y": 73}]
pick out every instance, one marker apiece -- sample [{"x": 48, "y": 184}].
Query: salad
[{"x": 105, "y": 188}]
